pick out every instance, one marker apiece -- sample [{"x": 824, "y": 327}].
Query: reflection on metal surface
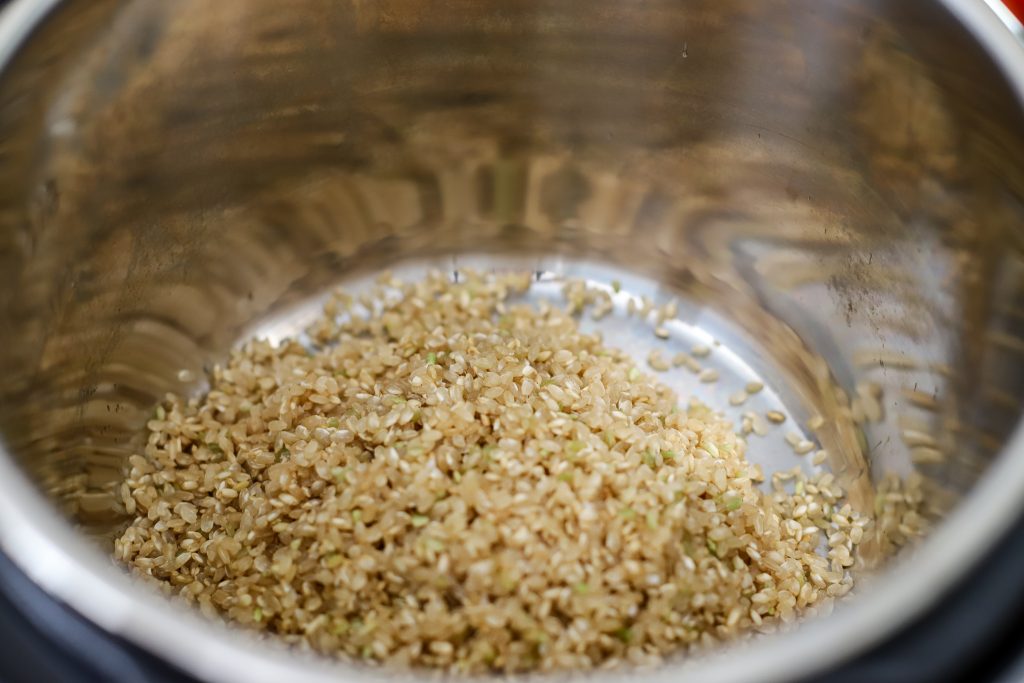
[
  {"x": 1010, "y": 13},
  {"x": 840, "y": 180}
]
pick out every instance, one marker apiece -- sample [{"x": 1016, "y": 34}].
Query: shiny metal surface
[
  {"x": 1006, "y": 15},
  {"x": 837, "y": 179}
]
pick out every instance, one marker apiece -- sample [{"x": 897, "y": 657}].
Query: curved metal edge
[
  {"x": 17, "y": 21},
  {"x": 1007, "y": 17},
  {"x": 47, "y": 549}
]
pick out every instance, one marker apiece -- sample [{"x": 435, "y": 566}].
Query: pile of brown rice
[{"x": 449, "y": 479}]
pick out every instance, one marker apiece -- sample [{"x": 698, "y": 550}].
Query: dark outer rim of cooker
[{"x": 974, "y": 633}]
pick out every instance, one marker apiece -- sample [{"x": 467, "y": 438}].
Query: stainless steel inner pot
[{"x": 839, "y": 183}]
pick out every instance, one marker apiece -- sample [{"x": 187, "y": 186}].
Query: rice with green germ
[{"x": 447, "y": 478}]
